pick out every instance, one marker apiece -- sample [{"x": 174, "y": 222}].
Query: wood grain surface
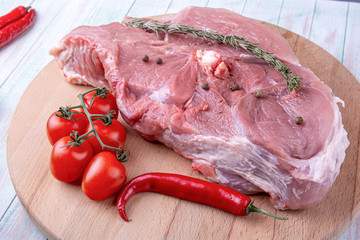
[{"x": 62, "y": 211}]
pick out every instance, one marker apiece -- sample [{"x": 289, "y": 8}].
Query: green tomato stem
[
  {"x": 88, "y": 115},
  {"x": 107, "y": 119}
]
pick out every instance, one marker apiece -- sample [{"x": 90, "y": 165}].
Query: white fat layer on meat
[
  {"x": 339, "y": 100},
  {"x": 239, "y": 156},
  {"x": 322, "y": 166}
]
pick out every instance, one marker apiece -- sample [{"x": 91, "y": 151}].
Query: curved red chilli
[{"x": 184, "y": 187}]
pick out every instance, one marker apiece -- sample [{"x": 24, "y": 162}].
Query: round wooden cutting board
[{"x": 62, "y": 211}]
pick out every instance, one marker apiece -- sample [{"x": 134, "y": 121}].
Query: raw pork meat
[{"x": 233, "y": 137}]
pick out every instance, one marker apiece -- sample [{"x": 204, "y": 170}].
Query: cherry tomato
[
  {"x": 110, "y": 135},
  {"x": 103, "y": 177},
  {"x": 101, "y": 105},
  {"x": 58, "y": 127},
  {"x": 68, "y": 163}
]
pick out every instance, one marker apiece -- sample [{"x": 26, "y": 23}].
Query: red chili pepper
[
  {"x": 12, "y": 31},
  {"x": 13, "y": 16},
  {"x": 191, "y": 189}
]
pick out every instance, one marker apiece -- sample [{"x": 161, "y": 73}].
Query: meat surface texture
[{"x": 234, "y": 138}]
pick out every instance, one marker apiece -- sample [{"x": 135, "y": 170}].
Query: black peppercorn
[
  {"x": 235, "y": 87},
  {"x": 145, "y": 58},
  {"x": 299, "y": 120},
  {"x": 159, "y": 61},
  {"x": 205, "y": 86}
]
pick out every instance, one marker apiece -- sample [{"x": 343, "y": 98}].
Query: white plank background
[{"x": 333, "y": 25}]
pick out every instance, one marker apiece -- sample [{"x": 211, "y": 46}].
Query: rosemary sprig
[{"x": 292, "y": 81}]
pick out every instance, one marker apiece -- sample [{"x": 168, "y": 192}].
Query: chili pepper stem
[{"x": 252, "y": 208}]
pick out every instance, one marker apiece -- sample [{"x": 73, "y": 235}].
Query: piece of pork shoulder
[{"x": 234, "y": 138}]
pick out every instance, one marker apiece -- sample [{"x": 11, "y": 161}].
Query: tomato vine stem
[
  {"x": 122, "y": 154},
  {"x": 65, "y": 112}
]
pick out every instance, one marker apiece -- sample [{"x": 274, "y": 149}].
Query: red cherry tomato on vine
[
  {"x": 110, "y": 135},
  {"x": 103, "y": 177},
  {"x": 101, "y": 105},
  {"x": 58, "y": 127},
  {"x": 68, "y": 163}
]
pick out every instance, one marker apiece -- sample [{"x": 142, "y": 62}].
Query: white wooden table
[{"x": 333, "y": 25}]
